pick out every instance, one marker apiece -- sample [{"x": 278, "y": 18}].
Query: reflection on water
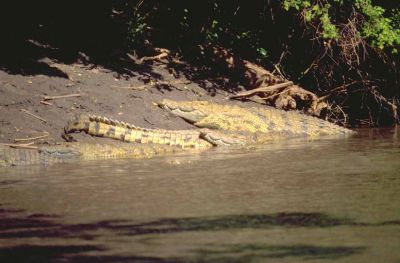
[{"x": 292, "y": 201}]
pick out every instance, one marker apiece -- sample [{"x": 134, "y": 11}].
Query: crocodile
[
  {"x": 76, "y": 151},
  {"x": 220, "y": 125},
  {"x": 106, "y": 127},
  {"x": 256, "y": 120}
]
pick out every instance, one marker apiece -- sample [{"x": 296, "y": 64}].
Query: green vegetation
[{"x": 379, "y": 30}]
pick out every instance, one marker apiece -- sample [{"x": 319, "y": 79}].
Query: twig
[
  {"x": 262, "y": 89},
  {"x": 61, "y": 97},
  {"x": 382, "y": 98},
  {"x": 278, "y": 70},
  {"x": 33, "y": 115},
  {"x": 22, "y": 146},
  {"x": 32, "y": 138},
  {"x": 337, "y": 89},
  {"x": 159, "y": 56},
  {"x": 315, "y": 62},
  {"x": 275, "y": 95},
  {"x": 46, "y": 103}
]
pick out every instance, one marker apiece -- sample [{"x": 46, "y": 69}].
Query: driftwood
[
  {"x": 46, "y": 103},
  {"x": 164, "y": 53},
  {"x": 60, "y": 97},
  {"x": 272, "y": 89},
  {"x": 267, "y": 89},
  {"x": 32, "y": 138}
]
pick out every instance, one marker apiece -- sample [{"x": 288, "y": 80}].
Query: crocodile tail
[
  {"x": 122, "y": 131},
  {"x": 112, "y": 122},
  {"x": 182, "y": 138},
  {"x": 81, "y": 122}
]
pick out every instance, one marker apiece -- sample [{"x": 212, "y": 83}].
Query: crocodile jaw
[{"x": 186, "y": 112}]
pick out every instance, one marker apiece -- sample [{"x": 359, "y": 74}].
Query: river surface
[{"x": 330, "y": 200}]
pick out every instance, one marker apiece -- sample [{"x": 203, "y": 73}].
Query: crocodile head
[
  {"x": 78, "y": 123},
  {"x": 191, "y": 111}
]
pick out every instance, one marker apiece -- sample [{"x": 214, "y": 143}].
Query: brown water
[{"x": 294, "y": 201}]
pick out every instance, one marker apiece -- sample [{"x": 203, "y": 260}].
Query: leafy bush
[{"x": 327, "y": 16}]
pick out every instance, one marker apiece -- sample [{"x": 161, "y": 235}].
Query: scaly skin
[
  {"x": 109, "y": 128},
  {"x": 70, "y": 152},
  {"x": 105, "y": 127},
  {"x": 263, "y": 120}
]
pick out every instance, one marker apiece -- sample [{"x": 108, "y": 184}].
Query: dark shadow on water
[
  {"x": 16, "y": 225},
  {"x": 237, "y": 222},
  {"x": 42, "y": 225},
  {"x": 234, "y": 254},
  {"x": 41, "y": 254},
  {"x": 46, "y": 226},
  {"x": 249, "y": 253}
]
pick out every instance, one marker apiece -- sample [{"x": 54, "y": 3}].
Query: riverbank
[{"x": 39, "y": 104}]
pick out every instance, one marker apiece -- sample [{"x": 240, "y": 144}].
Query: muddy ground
[{"x": 128, "y": 97}]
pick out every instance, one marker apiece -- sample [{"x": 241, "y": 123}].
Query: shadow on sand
[{"x": 36, "y": 34}]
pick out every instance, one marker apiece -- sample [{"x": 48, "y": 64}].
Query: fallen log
[{"x": 267, "y": 89}]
